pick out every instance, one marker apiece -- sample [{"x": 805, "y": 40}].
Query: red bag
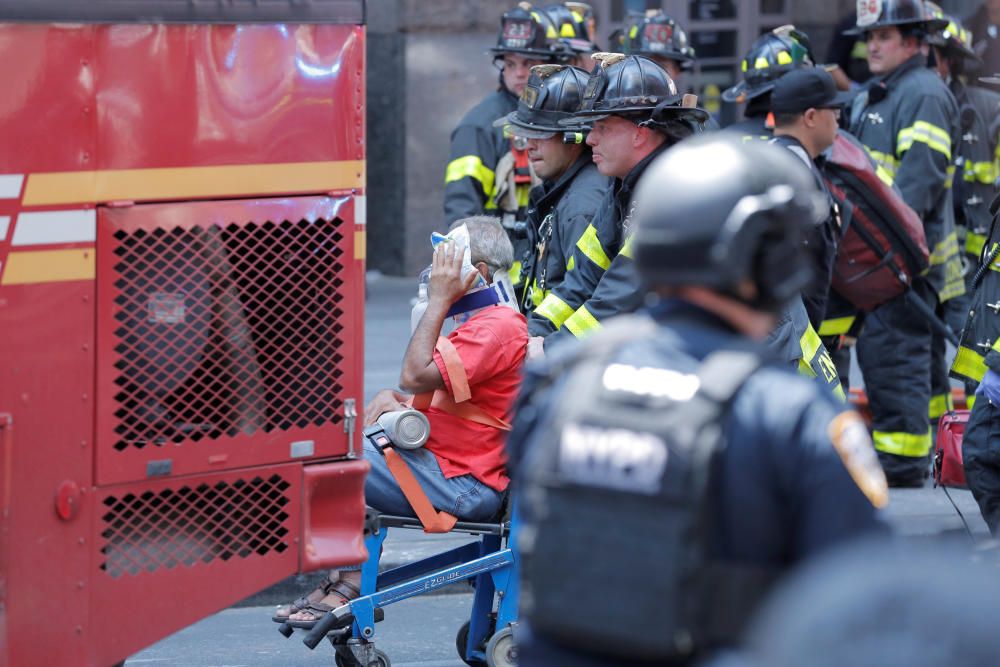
[
  {"x": 948, "y": 468},
  {"x": 883, "y": 245}
]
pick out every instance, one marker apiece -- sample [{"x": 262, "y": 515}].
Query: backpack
[
  {"x": 883, "y": 247},
  {"x": 616, "y": 541}
]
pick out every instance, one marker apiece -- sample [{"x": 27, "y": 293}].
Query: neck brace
[{"x": 499, "y": 292}]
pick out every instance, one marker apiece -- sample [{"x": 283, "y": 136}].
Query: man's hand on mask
[
  {"x": 386, "y": 400},
  {"x": 536, "y": 348},
  {"x": 446, "y": 285}
]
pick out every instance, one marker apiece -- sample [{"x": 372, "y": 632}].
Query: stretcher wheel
[
  {"x": 501, "y": 651},
  {"x": 380, "y": 659},
  {"x": 461, "y": 641}
]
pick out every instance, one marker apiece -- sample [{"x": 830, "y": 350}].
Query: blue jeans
[{"x": 464, "y": 496}]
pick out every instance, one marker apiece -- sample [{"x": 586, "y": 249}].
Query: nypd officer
[
  {"x": 561, "y": 208},
  {"x": 908, "y": 121},
  {"x": 693, "y": 471}
]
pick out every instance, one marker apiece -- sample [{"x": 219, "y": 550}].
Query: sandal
[
  {"x": 282, "y": 613},
  {"x": 344, "y": 590}
]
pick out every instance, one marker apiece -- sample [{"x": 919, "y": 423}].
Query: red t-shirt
[{"x": 491, "y": 344}]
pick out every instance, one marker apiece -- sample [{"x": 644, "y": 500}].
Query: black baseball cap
[{"x": 807, "y": 88}]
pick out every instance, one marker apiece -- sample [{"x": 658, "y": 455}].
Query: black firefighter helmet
[
  {"x": 530, "y": 32},
  {"x": 772, "y": 55},
  {"x": 553, "y": 94},
  {"x": 752, "y": 203},
  {"x": 636, "y": 88},
  {"x": 873, "y": 14},
  {"x": 953, "y": 39},
  {"x": 656, "y": 34}
]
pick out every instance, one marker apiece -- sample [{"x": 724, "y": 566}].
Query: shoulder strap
[{"x": 432, "y": 520}]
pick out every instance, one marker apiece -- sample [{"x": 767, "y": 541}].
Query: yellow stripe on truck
[
  {"x": 49, "y": 266},
  {"x": 73, "y": 187}
]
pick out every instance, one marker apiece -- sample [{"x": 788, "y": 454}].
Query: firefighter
[
  {"x": 977, "y": 155},
  {"x": 488, "y": 172},
  {"x": 636, "y": 114},
  {"x": 908, "y": 121},
  {"x": 806, "y": 107},
  {"x": 772, "y": 55},
  {"x": 978, "y": 361},
  {"x": 659, "y": 37},
  {"x": 694, "y": 471},
  {"x": 562, "y": 207}
]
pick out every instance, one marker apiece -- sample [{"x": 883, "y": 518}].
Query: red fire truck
[{"x": 182, "y": 247}]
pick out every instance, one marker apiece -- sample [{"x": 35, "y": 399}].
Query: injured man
[{"x": 464, "y": 383}]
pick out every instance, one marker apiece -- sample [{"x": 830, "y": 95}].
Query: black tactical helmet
[
  {"x": 953, "y": 38},
  {"x": 714, "y": 211},
  {"x": 529, "y": 32},
  {"x": 639, "y": 89},
  {"x": 774, "y": 53},
  {"x": 884, "y": 13},
  {"x": 657, "y": 34},
  {"x": 553, "y": 94}
]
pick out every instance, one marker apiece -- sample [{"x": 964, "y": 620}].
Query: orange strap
[
  {"x": 456, "y": 369},
  {"x": 522, "y": 165},
  {"x": 432, "y": 520}
]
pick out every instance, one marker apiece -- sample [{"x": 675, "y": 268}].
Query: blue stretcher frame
[{"x": 494, "y": 567}]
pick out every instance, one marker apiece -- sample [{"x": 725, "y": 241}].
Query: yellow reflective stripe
[
  {"x": 887, "y": 165},
  {"x": 949, "y": 176},
  {"x": 970, "y": 401},
  {"x": 784, "y": 58},
  {"x": 761, "y": 63},
  {"x": 939, "y": 405},
  {"x": 813, "y": 352},
  {"x": 537, "y": 295},
  {"x": 809, "y": 343},
  {"x": 974, "y": 243},
  {"x": 903, "y": 444},
  {"x": 925, "y": 132},
  {"x": 571, "y": 264},
  {"x": 995, "y": 264},
  {"x": 591, "y": 247},
  {"x": 473, "y": 167},
  {"x": 969, "y": 364},
  {"x": 515, "y": 273},
  {"x": 554, "y": 309},
  {"x": 945, "y": 249},
  {"x": 980, "y": 172},
  {"x": 860, "y": 50},
  {"x": 627, "y": 248},
  {"x": 582, "y": 322},
  {"x": 837, "y": 326}
]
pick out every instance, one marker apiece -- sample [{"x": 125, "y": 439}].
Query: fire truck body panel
[{"x": 182, "y": 248}]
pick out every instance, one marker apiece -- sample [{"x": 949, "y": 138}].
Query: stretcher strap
[
  {"x": 432, "y": 520},
  {"x": 456, "y": 369}
]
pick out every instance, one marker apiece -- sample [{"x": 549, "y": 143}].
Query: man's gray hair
[{"x": 489, "y": 242}]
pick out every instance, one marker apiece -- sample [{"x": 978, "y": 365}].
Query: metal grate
[
  {"x": 222, "y": 331},
  {"x": 194, "y": 524}
]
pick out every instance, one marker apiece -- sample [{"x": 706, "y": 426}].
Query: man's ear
[{"x": 484, "y": 271}]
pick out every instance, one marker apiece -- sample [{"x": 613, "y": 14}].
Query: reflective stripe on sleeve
[
  {"x": 473, "y": 167},
  {"x": 582, "y": 322},
  {"x": 945, "y": 249},
  {"x": 887, "y": 165},
  {"x": 554, "y": 309},
  {"x": 903, "y": 444},
  {"x": 515, "y": 272},
  {"x": 980, "y": 172},
  {"x": 939, "y": 405},
  {"x": 974, "y": 244},
  {"x": 969, "y": 364},
  {"x": 627, "y": 248},
  {"x": 837, "y": 326},
  {"x": 591, "y": 247},
  {"x": 928, "y": 133}
]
